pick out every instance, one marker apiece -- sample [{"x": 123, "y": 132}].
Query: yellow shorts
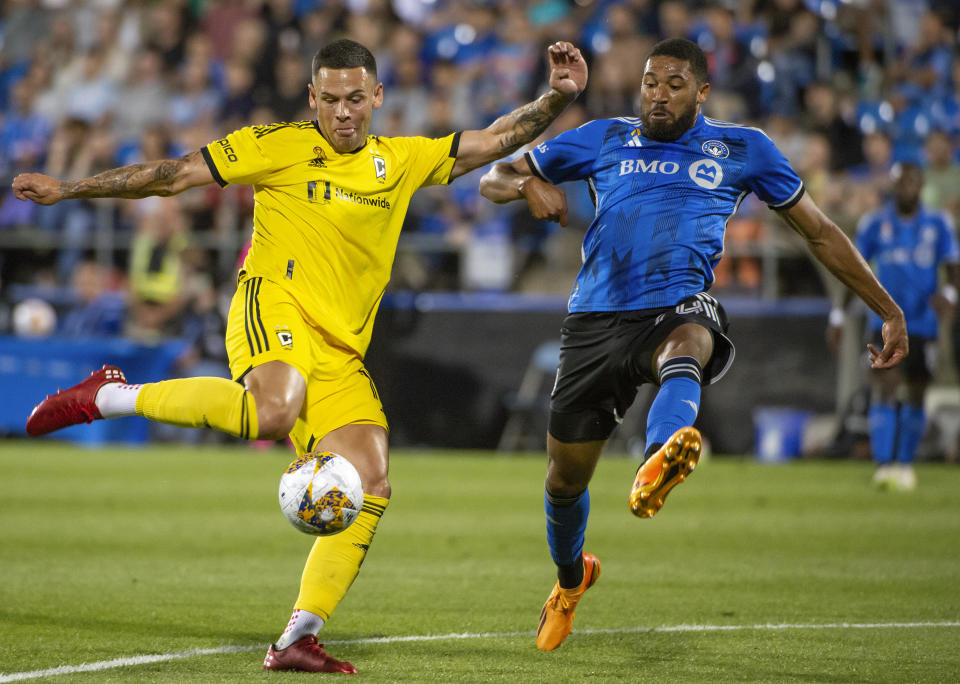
[{"x": 266, "y": 324}]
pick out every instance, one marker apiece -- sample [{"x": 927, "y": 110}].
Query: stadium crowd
[{"x": 845, "y": 89}]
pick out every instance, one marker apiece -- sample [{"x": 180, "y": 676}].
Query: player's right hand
[
  {"x": 546, "y": 202},
  {"x": 895, "y": 346},
  {"x": 37, "y": 187}
]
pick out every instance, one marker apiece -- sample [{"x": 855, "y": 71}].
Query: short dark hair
[
  {"x": 344, "y": 54},
  {"x": 688, "y": 51}
]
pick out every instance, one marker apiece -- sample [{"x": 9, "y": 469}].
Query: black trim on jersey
[
  {"x": 214, "y": 171},
  {"x": 455, "y": 145},
  {"x": 256, "y": 300},
  {"x": 247, "y": 314},
  {"x": 240, "y": 377},
  {"x": 533, "y": 168},
  {"x": 260, "y": 131},
  {"x": 793, "y": 202},
  {"x": 252, "y": 320},
  {"x": 310, "y": 444}
]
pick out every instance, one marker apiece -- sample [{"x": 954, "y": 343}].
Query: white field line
[{"x": 180, "y": 655}]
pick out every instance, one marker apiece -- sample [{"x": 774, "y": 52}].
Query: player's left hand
[
  {"x": 568, "y": 70},
  {"x": 895, "y": 347}
]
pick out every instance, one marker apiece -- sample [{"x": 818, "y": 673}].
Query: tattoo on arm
[
  {"x": 131, "y": 182},
  {"x": 524, "y": 124}
]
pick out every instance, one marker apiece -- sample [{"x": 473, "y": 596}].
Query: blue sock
[
  {"x": 566, "y": 526},
  {"x": 678, "y": 400},
  {"x": 910, "y": 423},
  {"x": 883, "y": 432}
]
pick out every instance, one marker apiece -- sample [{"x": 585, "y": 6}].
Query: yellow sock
[
  {"x": 200, "y": 402},
  {"x": 334, "y": 561}
]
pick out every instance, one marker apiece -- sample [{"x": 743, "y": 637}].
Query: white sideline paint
[{"x": 180, "y": 655}]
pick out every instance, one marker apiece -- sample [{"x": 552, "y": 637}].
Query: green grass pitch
[{"x": 796, "y": 572}]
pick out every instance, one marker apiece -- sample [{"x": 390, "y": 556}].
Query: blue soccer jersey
[
  {"x": 661, "y": 207},
  {"x": 906, "y": 253}
]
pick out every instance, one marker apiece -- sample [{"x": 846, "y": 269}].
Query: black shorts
[
  {"x": 920, "y": 362},
  {"x": 606, "y": 356}
]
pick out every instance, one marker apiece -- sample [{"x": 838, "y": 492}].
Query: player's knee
[
  {"x": 378, "y": 487},
  {"x": 275, "y": 418},
  {"x": 567, "y": 477}
]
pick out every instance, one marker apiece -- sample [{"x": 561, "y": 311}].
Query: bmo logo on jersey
[
  {"x": 706, "y": 173},
  {"x": 628, "y": 166}
]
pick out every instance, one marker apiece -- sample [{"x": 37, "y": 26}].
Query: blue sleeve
[
  {"x": 569, "y": 156},
  {"x": 866, "y": 240},
  {"x": 769, "y": 174}
]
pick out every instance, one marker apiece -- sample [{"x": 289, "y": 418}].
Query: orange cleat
[
  {"x": 556, "y": 618},
  {"x": 663, "y": 471}
]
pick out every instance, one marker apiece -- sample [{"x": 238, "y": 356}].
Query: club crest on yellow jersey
[
  {"x": 285, "y": 336},
  {"x": 380, "y": 167}
]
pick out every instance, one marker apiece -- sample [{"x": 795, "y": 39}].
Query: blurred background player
[
  {"x": 664, "y": 185},
  {"x": 907, "y": 242},
  {"x": 331, "y": 200}
]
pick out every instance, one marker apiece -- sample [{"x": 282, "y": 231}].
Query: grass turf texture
[{"x": 116, "y": 553}]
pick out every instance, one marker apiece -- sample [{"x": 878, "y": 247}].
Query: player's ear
[
  {"x": 378, "y": 96},
  {"x": 313, "y": 96},
  {"x": 702, "y": 93}
]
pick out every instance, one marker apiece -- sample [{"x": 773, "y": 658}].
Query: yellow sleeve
[
  {"x": 238, "y": 158},
  {"x": 432, "y": 159}
]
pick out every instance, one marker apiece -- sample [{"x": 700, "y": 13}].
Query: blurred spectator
[
  {"x": 143, "y": 101},
  {"x": 196, "y": 99},
  {"x": 93, "y": 94},
  {"x": 74, "y": 152},
  {"x": 97, "y": 311},
  {"x": 878, "y": 160},
  {"x": 23, "y": 134},
  {"x": 942, "y": 187},
  {"x": 824, "y": 117},
  {"x": 157, "y": 271},
  {"x": 288, "y": 95},
  {"x": 165, "y": 32},
  {"x": 731, "y": 65}
]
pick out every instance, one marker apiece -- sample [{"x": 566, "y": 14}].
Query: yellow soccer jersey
[{"x": 326, "y": 225}]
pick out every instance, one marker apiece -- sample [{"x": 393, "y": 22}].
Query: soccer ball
[{"x": 321, "y": 493}]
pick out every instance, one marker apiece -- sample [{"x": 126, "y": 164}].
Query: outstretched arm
[
  {"x": 835, "y": 251},
  {"x": 163, "y": 177},
  {"x": 568, "y": 78},
  {"x": 507, "y": 182}
]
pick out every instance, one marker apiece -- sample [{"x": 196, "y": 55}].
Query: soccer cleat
[
  {"x": 885, "y": 477},
  {"x": 556, "y": 618},
  {"x": 305, "y": 655},
  {"x": 72, "y": 406},
  {"x": 663, "y": 471},
  {"x": 906, "y": 478}
]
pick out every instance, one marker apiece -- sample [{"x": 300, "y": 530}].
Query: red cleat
[
  {"x": 72, "y": 406},
  {"x": 305, "y": 655}
]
